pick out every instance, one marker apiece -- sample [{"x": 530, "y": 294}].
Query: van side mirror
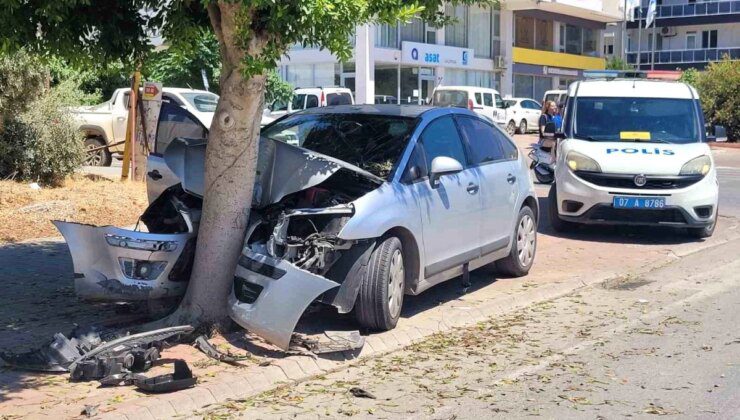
[{"x": 443, "y": 165}]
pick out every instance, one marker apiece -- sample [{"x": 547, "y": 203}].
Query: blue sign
[
  {"x": 415, "y": 54},
  {"x": 465, "y": 58}
]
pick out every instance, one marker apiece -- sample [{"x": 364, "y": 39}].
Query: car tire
[
  {"x": 521, "y": 257},
  {"x": 558, "y": 224},
  {"x": 511, "y": 128},
  {"x": 380, "y": 298},
  {"x": 523, "y": 127},
  {"x": 100, "y": 158},
  {"x": 704, "y": 232}
]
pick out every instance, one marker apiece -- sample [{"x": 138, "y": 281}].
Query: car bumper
[
  {"x": 270, "y": 295},
  {"x": 99, "y": 255},
  {"x": 584, "y": 202}
]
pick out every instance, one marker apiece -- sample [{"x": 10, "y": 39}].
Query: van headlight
[
  {"x": 697, "y": 166},
  {"x": 579, "y": 162}
]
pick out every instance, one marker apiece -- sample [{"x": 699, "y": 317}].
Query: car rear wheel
[
  {"x": 558, "y": 224},
  {"x": 523, "y": 127},
  {"x": 511, "y": 128},
  {"x": 380, "y": 298},
  {"x": 521, "y": 257},
  {"x": 100, "y": 157}
]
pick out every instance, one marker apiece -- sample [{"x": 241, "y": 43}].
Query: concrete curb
[{"x": 294, "y": 369}]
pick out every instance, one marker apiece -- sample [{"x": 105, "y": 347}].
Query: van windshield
[
  {"x": 457, "y": 98},
  {"x": 658, "y": 120}
]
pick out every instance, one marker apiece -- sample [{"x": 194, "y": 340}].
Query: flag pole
[
  {"x": 624, "y": 34},
  {"x": 654, "y": 43},
  {"x": 639, "y": 37}
]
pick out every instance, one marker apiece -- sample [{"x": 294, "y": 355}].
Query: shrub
[
  {"x": 42, "y": 144},
  {"x": 21, "y": 82},
  {"x": 719, "y": 90}
]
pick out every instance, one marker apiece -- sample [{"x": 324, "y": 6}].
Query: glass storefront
[
  {"x": 311, "y": 75},
  {"x": 526, "y": 86},
  {"x": 455, "y": 77}
]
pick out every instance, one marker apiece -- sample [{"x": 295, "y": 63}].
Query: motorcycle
[{"x": 542, "y": 164}]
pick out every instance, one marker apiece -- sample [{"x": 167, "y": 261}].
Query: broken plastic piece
[
  {"x": 335, "y": 341},
  {"x": 205, "y": 346},
  {"x": 57, "y": 356},
  {"x": 361, "y": 393},
  {"x": 182, "y": 378}
]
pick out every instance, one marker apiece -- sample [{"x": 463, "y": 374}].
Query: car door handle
[
  {"x": 155, "y": 175},
  {"x": 472, "y": 188},
  {"x": 511, "y": 179}
]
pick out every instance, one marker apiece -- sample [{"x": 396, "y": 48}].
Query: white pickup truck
[{"x": 105, "y": 124}]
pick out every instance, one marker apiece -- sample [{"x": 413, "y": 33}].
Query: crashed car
[{"x": 356, "y": 206}]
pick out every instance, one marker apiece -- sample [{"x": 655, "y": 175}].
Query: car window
[
  {"x": 487, "y": 99},
  {"x": 450, "y": 98},
  {"x": 508, "y": 147},
  {"x": 174, "y": 121},
  {"x": 510, "y": 102},
  {"x": 551, "y": 97},
  {"x": 483, "y": 143},
  {"x": 440, "y": 138},
  {"x": 531, "y": 105},
  {"x": 499, "y": 101},
  {"x": 340, "y": 98},
  {"x": 171, "y": 99},
  {"x": 203, "y": 102},
  {"x": 298, "y": 101},
  {"x": 279, "y": 106},
  {"x": 312, "y": 101},
  {"x": 478, "y": 98}
]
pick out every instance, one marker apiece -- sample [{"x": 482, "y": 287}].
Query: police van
[{"x": 633, "y": 151}]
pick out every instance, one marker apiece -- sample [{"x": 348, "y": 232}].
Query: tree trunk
[{"x": 231, "y": 160}]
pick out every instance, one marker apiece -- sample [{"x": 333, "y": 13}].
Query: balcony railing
[
  {"x": 684, "y": 56},
  {"x": 708, "y": 8}
]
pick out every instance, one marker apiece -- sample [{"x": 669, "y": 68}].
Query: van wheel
[
  {"x": 380, "y": 298},
  {"x": 521, "y": 257},
  {"x": 511, "y": 128},
  {"x": 523, "y": 127},
  {"x": 558, "y": 224},
  {"x": 101, "y": 157}
]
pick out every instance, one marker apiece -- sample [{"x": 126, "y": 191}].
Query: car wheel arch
[
  {"x": 411, "y": 255},
  {"x": 532, "y": 203}
]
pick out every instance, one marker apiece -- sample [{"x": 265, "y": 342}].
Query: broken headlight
[
  {"x": 141, "y": 269},
  {"x": 143, "y": 244}
]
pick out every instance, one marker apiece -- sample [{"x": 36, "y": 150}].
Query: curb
[{"x": 294, "y": 369}]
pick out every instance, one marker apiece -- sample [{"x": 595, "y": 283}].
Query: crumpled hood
[
  {"x": 282, "y": 169},
  {"x": 636, "y": 157}
]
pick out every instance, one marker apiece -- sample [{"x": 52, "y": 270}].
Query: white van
[
  {"x": 483, "y": 101},
  {"x": 633, "y": 152},
  {"x": 558, "y": 96},
  {"x": 305, "y": 98}
]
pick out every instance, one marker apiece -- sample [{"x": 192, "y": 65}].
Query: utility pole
[
  {"x": 654, "y": 43},
  {"x": 623, "y": 55},
  {"x": 130, "y": 126}
]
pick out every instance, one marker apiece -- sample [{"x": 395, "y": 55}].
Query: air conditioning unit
[
  {"x": 667, "y": 31},
  {"x": 499, "y": 62}
]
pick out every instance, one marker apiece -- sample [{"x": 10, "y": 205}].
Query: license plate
[{"x": 621, "y": 202}]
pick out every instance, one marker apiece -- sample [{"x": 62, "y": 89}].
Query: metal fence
[{"x": 685, "y": 56}]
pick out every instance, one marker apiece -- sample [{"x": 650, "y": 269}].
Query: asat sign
[{"x": 435, "y": 55}]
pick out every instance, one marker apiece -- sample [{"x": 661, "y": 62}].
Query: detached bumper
[
  {"x": 116, "y": 264},
  {"x": 270, "y": 295}
]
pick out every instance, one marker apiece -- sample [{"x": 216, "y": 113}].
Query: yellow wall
[{"x": 555, "y": 59}]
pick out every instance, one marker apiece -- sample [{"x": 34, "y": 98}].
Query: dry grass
[{"x": 26, "y": 213}]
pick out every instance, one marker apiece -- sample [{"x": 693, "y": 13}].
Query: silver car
[{"x": 354, "y": 206}]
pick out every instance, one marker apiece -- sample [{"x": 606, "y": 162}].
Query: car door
[
  {"x": 451, "y": 212},
  {"x": 497, "y": 181},
  {"x": 533, "y": 114},
  {"x": 490, "y": 107},
  {"x": 119, "y": 115},
  {"x": 174, "y": 121}
]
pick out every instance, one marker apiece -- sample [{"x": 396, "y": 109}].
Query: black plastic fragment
[{"x": 181, "y": 379}]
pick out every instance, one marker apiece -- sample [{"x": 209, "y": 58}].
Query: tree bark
[{"x": 231, "y": 158}]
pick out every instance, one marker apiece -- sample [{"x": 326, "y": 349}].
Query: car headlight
[
  {"x": 579, "y": 162},
  {"x": 140, "y": 269},
  {"x": 142, "y": 244},
  {"x": 697, "y": 166}
]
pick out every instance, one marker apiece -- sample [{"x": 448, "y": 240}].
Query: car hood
[
  {"x": 637, "y": 158},
  {"x": 282, "y": 169}
]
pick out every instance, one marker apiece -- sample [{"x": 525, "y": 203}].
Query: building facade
[
  {"x": 523, "y": 48},
  {"x": 688, "y": 34}
]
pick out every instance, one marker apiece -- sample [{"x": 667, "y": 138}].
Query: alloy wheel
[
  {"x": 526, "y": 238},
  {"x": 395, "y": 284}
]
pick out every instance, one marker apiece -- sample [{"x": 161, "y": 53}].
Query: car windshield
[
  {"x": 451, "y": 98},
  {"x": 371, "y": 142},
  {"x": 339, "y": 98},
  {"x": 203, "y": 102},
  {"x": 636, "y": 119}
]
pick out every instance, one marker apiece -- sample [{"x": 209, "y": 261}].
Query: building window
[
  {"x": 543, "y": 32},
  {"x": 386, "y": 36},
  {"x": 524, "y": 34},
  {"x": 456, "y": 34},
  {"x": 691, "y": 40},
  {"x": 311, "y": 75},
  {"x": 573, "y": 39},
  {"x": 413, "y": 31},
  {"x": 709, "y": 39},
  {"x": 561, "y": 46},
  {"x": 590, "y": 44},
  {"x": 526, "y": 86},
  {"x": 479, "y": 31}
]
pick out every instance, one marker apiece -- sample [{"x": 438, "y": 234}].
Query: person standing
[{"x": 549, "y": 110}]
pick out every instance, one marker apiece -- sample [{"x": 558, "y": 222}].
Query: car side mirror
[{"x": 443, "y": 165}]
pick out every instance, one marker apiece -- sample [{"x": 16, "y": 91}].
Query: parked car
[
  {"x": 522, "y": 115},
  {"x": 483, "y": 101},
  {"x": 634, "y": 152},
  {"x": 389, "y": 200},
  {"x": 305, "y": 98},
  {"x": 105, "y": 124},
  {"x": 385, "y": 99}
]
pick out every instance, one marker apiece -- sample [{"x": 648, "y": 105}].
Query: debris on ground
[
  {"x": 201, "y": 343},
  {"x": 361, "y": 393},
  {"x": 90, "y": 410},
  {"x": 332, "y": 341},
  {"x": 182, "y": 378}
]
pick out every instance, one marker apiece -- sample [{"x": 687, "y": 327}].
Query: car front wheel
[
  {"x": 98, "y": 157},
  {"x": 523, "y": 127},
  {"x": 511, "y": 128},
  {"x": 521, "y": 257},
  {"x": 380, "y": 298},
  {"x": 558, "y": 224}
]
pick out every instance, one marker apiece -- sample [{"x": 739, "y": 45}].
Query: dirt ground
[{"x": 26, "y": 213}]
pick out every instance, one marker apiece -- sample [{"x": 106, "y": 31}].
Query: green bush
[
  {"x": 42, "y": 144},
  {"x": 719, "y": 90}
]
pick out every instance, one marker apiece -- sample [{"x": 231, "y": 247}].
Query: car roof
[
  {"x": 327, "y": 88},
  {"x": 633, "y": 88},
  {"x": 390, "y": 110},
  {"x": 184, "y": 90},
  {"x": 521, "y": 99},
  {"x": 466, "y": 88}
]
